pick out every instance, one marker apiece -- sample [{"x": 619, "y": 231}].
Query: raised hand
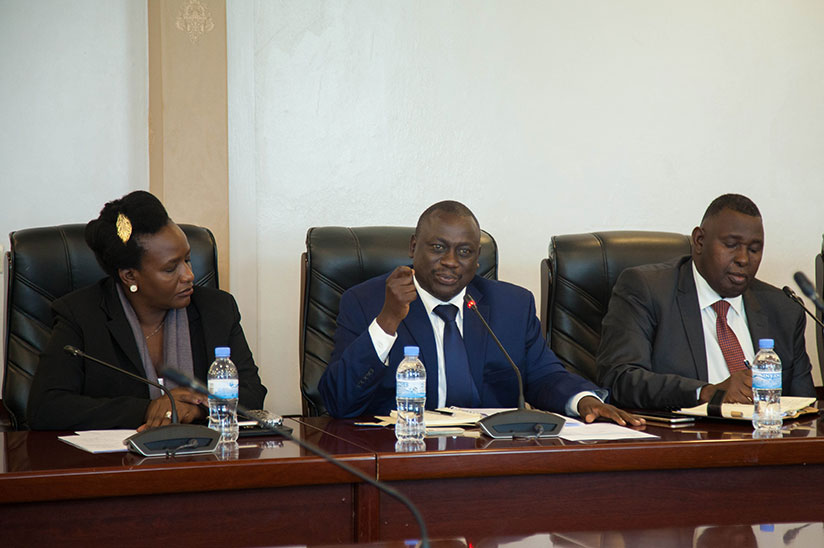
[{"x": 400, "y": 292}]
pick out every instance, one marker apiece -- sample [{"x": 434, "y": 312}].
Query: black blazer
[
  {"x": 652, "y": 352},
  {"x": 70, "y": 393}
]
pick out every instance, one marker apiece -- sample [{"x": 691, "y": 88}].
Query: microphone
[
  {"x": 791, "y": 294},
  {"x": 184, "y": 380},
  {"x": 165, "y": 440},
  {"x": 807, "y": 289},
  {"x": 522, "y": 422}
]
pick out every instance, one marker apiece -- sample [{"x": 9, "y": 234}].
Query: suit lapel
[
  {"x": 475, "y": 335},
  {"x": 756, "y": 318},
  {"x": 119, "y": 327},
  {"x": 691, "y": 319},
  {"x": 418, "y": 328},
  {"x": 203, "y": 339}
]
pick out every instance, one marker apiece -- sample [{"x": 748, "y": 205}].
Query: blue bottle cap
[
  {"x": 222, "y": 352},
  {"x": 411, "y": 351},
  {"x": 767, "y": 527},
  {"x": 766, "y": 343}
]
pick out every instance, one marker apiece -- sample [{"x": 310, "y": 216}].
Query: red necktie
[{"x": 730, "y": 347}]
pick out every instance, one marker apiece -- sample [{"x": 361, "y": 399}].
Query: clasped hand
[
  {"x": 188, "y": 404},
  {"x": 738, "y": 386}
]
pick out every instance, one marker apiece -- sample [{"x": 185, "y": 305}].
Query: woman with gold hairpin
[{"x": 145, "y": 315}]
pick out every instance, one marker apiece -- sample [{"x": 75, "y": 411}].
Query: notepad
[{"x": 791, "y": 407}]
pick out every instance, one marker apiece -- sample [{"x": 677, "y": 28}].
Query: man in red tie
[{"x": 677, "y": 332}]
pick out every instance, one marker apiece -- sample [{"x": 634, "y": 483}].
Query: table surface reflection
[
  {"x": 706, "y": 443},
  {"x": 469, "y": 487},
  {"x": 38, "y": 466},
  {"x": 799, "y": 535}
]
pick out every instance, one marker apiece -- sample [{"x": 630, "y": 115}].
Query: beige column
[{"x": 188, "y": 147}]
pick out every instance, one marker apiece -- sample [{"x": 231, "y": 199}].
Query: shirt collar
[
  {"x": 429, "y": 301},
  {"x": 707, "y": 295}
]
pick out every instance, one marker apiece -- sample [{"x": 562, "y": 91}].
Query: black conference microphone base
[
  {"x": 177, "y": 439},
  {"x": 522, "y": 423}
]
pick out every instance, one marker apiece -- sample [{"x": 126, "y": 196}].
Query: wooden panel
[
  {"x": 703, "y": 474},
  {"x": 226, "y": 518},
  {"x": 520, "y": 505}
]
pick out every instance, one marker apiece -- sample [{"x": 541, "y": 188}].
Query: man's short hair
[
  {"x": 447, "y": 206},
  {"x": 735, "y": 202}
]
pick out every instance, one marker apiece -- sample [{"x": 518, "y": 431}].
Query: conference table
[{"x": 268, "y": 491}]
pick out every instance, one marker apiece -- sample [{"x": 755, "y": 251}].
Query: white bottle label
[
  {"x": 411, "y": 388},
  {"x": 224, "y": 388},
  {"x": 766, "y": 380}
]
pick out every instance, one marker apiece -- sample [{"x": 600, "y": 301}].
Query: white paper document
[
  {"x": 575, "y": 430},
  {"x": 99, "y": 441}
]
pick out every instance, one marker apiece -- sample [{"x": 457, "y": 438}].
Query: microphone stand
[
  {"x": 275, "y": 424},
  {"x": 807, "y": 289},
  {"x": 167, "y": 440},
  {"x": 521, "y": 422},
  {"x": 791, "y": 294}
]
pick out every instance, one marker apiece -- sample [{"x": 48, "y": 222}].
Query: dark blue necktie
[{"x": 460, "y": 389}]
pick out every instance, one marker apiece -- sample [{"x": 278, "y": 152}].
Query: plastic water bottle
[
  {"x": 224, "y": 384},
  {"x": 410, "y": 396},
  {"x": 766, "y": 388}
]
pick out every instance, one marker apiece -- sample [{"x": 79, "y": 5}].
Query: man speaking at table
[
  {"x": 677, "y": 332},
  {"x": 423, "y": 306}
]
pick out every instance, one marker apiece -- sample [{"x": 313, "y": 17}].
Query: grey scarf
[{"x": 177, "y": 345}]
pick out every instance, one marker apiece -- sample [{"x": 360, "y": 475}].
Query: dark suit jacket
[
  {"x": 652, "y": 352},
  {"x": 356, "y": 382},
  {"x": 70, "y": 393}
]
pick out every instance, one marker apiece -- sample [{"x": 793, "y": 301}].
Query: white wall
[
  {"x": 73, "y": 108},
  {"x": 545, "y": 117}
]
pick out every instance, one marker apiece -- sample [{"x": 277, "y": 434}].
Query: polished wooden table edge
[
  {"x": 570, "y": 457},
  {"x": 160, "y": 475},
  {"x": 613, "y": 457},
  {"x": 178, "y": 477},
  {"x": 165, "y": 476}
]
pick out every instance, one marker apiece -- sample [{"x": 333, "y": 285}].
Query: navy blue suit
[{"x": 356, "y": 382}]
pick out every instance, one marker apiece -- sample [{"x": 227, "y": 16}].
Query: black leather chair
[
  {"x": 576, "y": 285},
  {"x": 45, "y": 264},
  {"x": 819, "y": 289},
  {"x": 336, "y": 259}
]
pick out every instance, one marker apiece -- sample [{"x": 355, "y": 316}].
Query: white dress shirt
[
  {"x": 717, "y": 370},
  {"x": 383, "y": 343}
]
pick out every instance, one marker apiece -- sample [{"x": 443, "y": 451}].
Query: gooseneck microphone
[
  {"x": 791, "y": 294},
  {"x": 521, "y": 422},
  {"x": 807, "y": 289},
  {"x": 168, "y": 440},
  {"x": 184, "y": 380}
]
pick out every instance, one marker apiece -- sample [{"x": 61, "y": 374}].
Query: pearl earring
[{"x": 133, "y": 288}]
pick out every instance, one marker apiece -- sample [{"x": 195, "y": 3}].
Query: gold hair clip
[{"x": 124, "y": 228}]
